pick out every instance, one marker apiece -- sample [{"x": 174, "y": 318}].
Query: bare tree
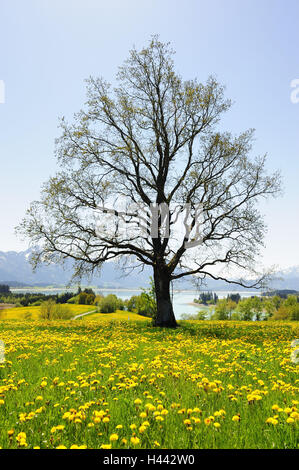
[{"x": 153, "y": 141}]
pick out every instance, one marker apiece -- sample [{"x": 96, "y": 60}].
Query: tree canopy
[{"x": 153, "y": 140}]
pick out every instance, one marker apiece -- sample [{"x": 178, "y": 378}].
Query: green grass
[{"x": 79, "y": 374}]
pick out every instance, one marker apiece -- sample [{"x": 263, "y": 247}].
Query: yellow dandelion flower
[
  {"x": 135, "y": 440},
  {"x": 236, "y": 418}
]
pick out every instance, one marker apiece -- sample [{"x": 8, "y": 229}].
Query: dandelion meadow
[{"x": 94, "y": 383}]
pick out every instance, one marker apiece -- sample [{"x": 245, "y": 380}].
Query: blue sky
[{"x": 48, "y": 48}]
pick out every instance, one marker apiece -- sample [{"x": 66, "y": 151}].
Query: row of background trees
[
  {"x": 54, "y": 306},
  {"x": 281, "y": 306},
  {"x": 252, "y": 308}
]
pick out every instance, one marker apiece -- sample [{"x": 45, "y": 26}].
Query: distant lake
[{"x": 181, "y": 299}]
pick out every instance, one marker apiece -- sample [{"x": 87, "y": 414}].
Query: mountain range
[{"x": 16, "y": 271}]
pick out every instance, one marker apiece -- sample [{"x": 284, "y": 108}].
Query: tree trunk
[{"x": 165, "y": 316}]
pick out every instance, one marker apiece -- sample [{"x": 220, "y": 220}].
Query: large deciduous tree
[{"x": 153, "y": 141}]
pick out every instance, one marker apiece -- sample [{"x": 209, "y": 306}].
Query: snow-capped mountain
[
  {"x": 16, "y": 270},
  {"x": 289, "y": 279}
]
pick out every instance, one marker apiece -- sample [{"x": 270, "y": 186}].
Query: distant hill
[
  {"x": 16, "y": 271},
  {"x": 281, "y": 292}
]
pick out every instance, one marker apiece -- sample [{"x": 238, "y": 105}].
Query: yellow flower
[
  {"x": 159, "y": 418},
  {"x": 236, "y": 418},
  {"x": 290, "y": 420},
  {"x": 61, "y": 447},
  {"x": 216, "y": 425},
  {"x": 10, "y": 432},
  {"x": 106, "y": 446},
  {"x": 135, "y": 440},
  {"x": 271, "y": 421},
  {"x": 21, "y": 435},
  {"x": 142, "y": 429},
  {"x": 113, "y": 437},
  {"x": 137, "y": 401}
]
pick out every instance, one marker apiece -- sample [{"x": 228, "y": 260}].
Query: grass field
[
  {"x": 124, "y": 384},
  {"x": 32, "y": 313},
  {"x": 118, "y": 315}
]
